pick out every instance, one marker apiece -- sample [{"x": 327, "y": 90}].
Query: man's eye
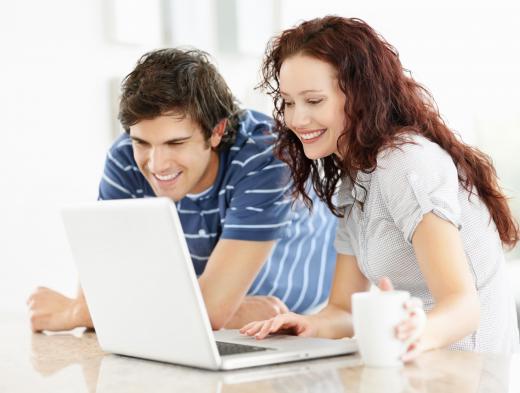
[{"x": 175, "y": 143}]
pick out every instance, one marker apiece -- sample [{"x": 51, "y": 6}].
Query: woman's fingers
[
  {"x": 249, "y": 326},
  {"x": 246, "y": 327},
  {"x": 414, "y": 350},
  {"x": 252, "y": 328},
  {"x": 406, "y": 330},
  {"x": 413, "y": 304},
  {"x": 412, "y": 326},
  {"x": 265, "y": 330},
  {"x": 385, "y": 284},
  {"x": 260, "y": 329}
]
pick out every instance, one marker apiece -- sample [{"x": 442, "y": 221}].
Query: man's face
[{"x": 172, "y": 154}]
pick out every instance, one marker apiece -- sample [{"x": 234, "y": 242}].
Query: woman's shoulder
[
  {"x": 415, "y": 157},
  {"x": 414, "y": 151},
  {"x": 412, "y": 147}
]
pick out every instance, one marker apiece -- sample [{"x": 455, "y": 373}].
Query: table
[{"x": 73, "y": 362}]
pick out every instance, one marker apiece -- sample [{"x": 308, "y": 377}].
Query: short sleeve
[
  {"x": 415, "y": 179},
  {"x": 260, "y": 207},
  {"x": 121, "y": 177},
  {"x": 342, "y": 242}
]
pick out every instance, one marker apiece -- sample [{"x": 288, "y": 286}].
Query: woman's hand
[
  {"x": 290, "y": 323},
  {"x": 411, "y": 329},
  {"x": 254, "y": 308}
]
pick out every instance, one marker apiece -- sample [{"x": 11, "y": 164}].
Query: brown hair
[
  {"x": 183, "y": 81},
  {"x": 383, "y": 103}
]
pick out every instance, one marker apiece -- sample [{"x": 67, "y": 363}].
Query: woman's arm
[
  {"x": 440, "y": 254},
  {"x": 334, "y": 321}
]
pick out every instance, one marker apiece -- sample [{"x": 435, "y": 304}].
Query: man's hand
[
  {"x": 50, "y": 310},
  {"x": 256, "y": 308}
]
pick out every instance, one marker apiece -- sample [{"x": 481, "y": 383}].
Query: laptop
[{"x": 143, "y": 295}]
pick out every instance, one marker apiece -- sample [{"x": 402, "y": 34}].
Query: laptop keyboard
[{"x": 233, "y": 349}]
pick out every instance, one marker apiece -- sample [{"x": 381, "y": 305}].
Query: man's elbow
[
  {"x": 219, "y": 317},
  {"x": 217, "y": 324}
]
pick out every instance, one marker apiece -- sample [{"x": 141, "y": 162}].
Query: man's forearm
[
  {"x": 256, "y": 308},
  {"x": 80, "y": 314}
]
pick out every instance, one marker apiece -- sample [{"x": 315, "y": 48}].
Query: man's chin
[{"x": 175, "y": 196}]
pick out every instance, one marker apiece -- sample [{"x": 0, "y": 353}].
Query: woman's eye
[
  {"x": 314, "y": 102},
  {"x": 288, "y": 104}
]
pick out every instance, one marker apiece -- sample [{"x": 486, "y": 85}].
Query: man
[{"x": 256, "y": 254}]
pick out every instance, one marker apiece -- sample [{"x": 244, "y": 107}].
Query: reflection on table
[{"x": 73, "y": 361}]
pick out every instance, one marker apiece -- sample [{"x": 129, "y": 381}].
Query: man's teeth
[
  {"x": 167, "y": 177},
  {"x": 311, "y": 135}
]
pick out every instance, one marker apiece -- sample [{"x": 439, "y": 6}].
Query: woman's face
[{"x": 314, "y": 104}]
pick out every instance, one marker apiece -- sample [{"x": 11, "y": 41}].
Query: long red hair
[{"x": 383, "y": 102}]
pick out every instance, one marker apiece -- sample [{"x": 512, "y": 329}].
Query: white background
[{"x": 59, "y": 59}]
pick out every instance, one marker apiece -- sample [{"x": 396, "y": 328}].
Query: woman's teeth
[{"x": 312, "y": 135}]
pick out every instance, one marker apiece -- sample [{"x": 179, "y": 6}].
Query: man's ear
[{"x": 218, "y": 133}]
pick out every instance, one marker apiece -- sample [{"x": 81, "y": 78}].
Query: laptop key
[{"x": 234, "y": 349}]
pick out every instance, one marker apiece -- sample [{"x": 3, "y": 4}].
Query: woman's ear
[{"x": 218, "y": 133}]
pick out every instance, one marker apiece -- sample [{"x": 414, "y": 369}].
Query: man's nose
[{"x": 158, "y": 161}]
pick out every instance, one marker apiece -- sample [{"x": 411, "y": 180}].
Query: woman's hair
[
  {"x": 182, "y": 81},
  {"x": 382, "y": 104}
]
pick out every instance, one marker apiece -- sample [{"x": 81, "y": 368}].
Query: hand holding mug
[
  {"x": 410, "y": 329},
  {"x": 388, "y": 325}
]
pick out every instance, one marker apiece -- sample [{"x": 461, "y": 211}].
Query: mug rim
[{"x": 393, "y": 293}]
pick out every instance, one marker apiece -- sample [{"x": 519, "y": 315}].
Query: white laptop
[{"x": 142, "y": 292}]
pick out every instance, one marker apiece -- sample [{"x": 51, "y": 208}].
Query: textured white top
[{"x": 409, "y": 182}]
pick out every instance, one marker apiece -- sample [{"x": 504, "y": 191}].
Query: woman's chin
[{"x": 314, "y": 154}]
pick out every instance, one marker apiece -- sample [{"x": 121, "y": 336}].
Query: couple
[{"x": 354, "y": 137}]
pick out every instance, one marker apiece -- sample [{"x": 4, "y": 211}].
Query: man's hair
[{"x": 183, "y": 82}]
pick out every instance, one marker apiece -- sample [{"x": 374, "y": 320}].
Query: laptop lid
[
  {"x": 143, "y": 294},
  {"x": 132, "y": 258}
]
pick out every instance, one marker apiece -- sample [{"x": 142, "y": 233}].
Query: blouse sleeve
[
  {"x": 415, "y": 179},
  {"x": 342, "y": 242}
]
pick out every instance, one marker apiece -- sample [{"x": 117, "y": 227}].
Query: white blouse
[{"x": 410, "y": 181}]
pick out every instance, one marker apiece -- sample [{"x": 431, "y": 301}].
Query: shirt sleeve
[
  {"x": 121, "y": 178},
  {"x": 342, "y": 242},
  {"x": 260, "y": 205},
  {"x": 416, "y": 179}
]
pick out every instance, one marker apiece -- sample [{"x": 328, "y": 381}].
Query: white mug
[{"x": 375, "y": 316}]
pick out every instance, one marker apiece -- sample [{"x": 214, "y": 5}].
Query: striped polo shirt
[{"x": 249, "y": 200}]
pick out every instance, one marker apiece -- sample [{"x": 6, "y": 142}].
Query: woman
[{"x": 415, "y": 203}]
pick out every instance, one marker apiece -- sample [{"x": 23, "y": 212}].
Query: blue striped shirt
[{"x": 249, "y": 200}]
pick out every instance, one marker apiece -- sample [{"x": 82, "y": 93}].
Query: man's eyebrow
[
  {"x": 176, "y": 140},
  {"x": 134, "y": 138},
  {"x": 173, "y": 140}
]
